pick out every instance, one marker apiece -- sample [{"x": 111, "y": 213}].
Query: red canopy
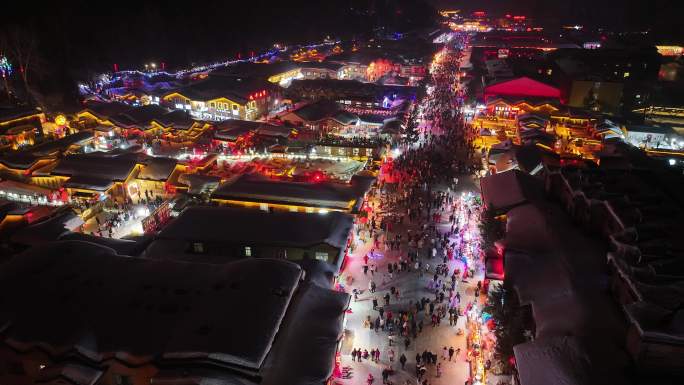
[{"x": 522, "y": 87}]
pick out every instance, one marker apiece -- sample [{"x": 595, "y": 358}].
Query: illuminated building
[
  {"x": 19, "y": 127},
  {"x": 155, "y": 179},
  {"x": 519, "y": 44},
  {"x": 221, "y": 97},
  {"x": 670, "y": 50},
  {"x": 315, "y": 195},
  {"x": 22, "y": 192},
  {"x": 23, "y": 164},
  {"x": 323, "y": 117},
  {"x": 348, "y": 149},
  {"x": 349, "y": 92},
  {"x": 653, "y": 137},
  {"x": 325, "y": 70},
  {"x": 96, "y": 177},
  {"x": 165, "y": 327},
  {"x": 370, "y": 64},
  {"x": 241, "y": 134},
  {"x": 448, "y": 13},
  {"x": 509, "y": 107},
  {"x": 109, "y": 120},
  {"x": 664, "y": 114}
]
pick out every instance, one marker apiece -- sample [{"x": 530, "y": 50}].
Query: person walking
[
  {"x": 451, "y": 352},
  {"x": 402, "y": 361},
  {"x": 385, "y": 376}
]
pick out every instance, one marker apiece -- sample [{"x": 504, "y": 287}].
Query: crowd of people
[{"x": 418, "y": 224}]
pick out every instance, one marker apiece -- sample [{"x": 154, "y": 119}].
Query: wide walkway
[{"x": 412, "y": 286}]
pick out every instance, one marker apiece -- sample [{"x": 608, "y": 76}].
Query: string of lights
[{"x": 108, "y": 79}]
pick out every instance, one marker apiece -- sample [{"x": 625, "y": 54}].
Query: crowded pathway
[{"x": 415, "y": 271}]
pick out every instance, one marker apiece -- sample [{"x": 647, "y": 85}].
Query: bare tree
[{"x": 22, "y": 48}]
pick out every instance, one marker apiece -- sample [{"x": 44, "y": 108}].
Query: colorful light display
[
  {"x": 5, "y": 67},
  {"x": 85, "y": 89}
]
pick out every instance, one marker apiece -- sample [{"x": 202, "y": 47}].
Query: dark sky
[
  {"x": 77, "y": 37},
  {"x": 134, "y": 32}
]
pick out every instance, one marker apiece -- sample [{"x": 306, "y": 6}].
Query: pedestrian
[
  {"x": 451, "y": 352},
  {"x": 402, "y": 360},
  {"x": 365, "y": 269},
  {"x": 375, "y": 303},
  {"x": 390, "y": 354},
  {"x": 353, "y": 354},
  {"x": 445, "y": 353}
]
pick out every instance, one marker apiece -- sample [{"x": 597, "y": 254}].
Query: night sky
[
  {"x": 81, "y": 38},
  {"x": 78, "y": 38}
]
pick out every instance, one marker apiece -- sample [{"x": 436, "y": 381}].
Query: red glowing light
[{"x": 116, "y": 67}]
